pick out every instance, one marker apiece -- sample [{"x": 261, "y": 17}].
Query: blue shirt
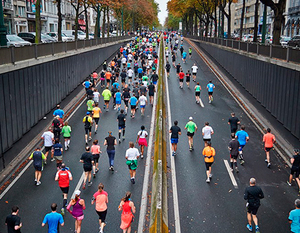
[
  {"x": 116, "y": 85},
  {"x": 241, "y": 136},
  {"x": 59, "y": 112},
  {"x": 87, "y": 84},
  {"x": 124, "y": 52},
  {"x": 57, "y": 149},
  {"x": 128, "y": 64},
  {"x": 133, "y": 100},
  {"x": 184, "y": 55},
  {"x": 140, "y": 70},
  {"x": 210, "y": 87},
  {"x": 295, "y": 218},
  {"x": 53, "y": 219},
  {"x": 118, "y": 96}
]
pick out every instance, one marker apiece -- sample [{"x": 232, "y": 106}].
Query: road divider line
[
  {"x": 201, "y": 103},
  {"x": 230, "y": 174},
  {"x": 78, "y": 185}
]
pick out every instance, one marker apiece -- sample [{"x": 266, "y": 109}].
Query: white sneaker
[
  {"x": 210, "y": 175},
  {"x": 208, "y": 180}
]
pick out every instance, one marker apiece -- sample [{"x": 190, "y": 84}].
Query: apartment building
[{"x": 292, "y": 16}]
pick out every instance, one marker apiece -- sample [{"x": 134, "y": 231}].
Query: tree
[
  {"x": 242, "y": 19},
  {"x": 256, "y": 21},
  {"x": 38, "y": 21},
  {"x": 77, "y": 4},
  {"x": 59, "y": 15}
]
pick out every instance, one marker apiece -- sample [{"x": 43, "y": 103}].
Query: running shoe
[
  {"x": 83, "y": 186},
  {"x": 94, "y": 175},
  {"x": 237, "y": 170},
  {"x": 191, "y": 149},
  {"x": 209, "y": 101},
  {"x": 133, "y": 181},
  {"x": 53, "y": 159},
  {"x": 266, "y": 160},
  {"x": 100, "y": 230},
  {"x": 249, "y": 227},
  {"x": 62, "y": 211},
  {"x": 142, "y": 156},
  {"x": 257, "y": 229},
  {"x": 119, "y": 141},
  {"x": 97, "y": 170},
  {"x": 95, "y": 132},
  {"x": 112, "y": 168},
  {"x": 90, "y": 138},
  {"x": 123, "y": 138},
  {"x": 212, "y": 99},
  {"x": 173, "y": 153},
  {"x": 208, "y": 180},
  {"x": 210, "y": 175},
  {"x": 269, "y": 165},
  {"x": 38, "y": 183},
  {"x": 90, "y": 184},
  {"x": 290, "y": 184},
  {"x": 242, "y": 162}
]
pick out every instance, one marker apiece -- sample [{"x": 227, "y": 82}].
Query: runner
[
  {"x": 184, "y": 55},
  {"x": 108, "y": 77},
  {"x": 63, "y": 176},
  {"x": 126, "y": 97},
  {"x": 38, "y": 157},
  {"x": 66, "y": 132},
  {"x": 130, "y": 73},
  {"x": 58, "y": 112},
  {"x": 123, "y": 77},
  {"x": 121, "y": 124},
  {"x": 269, "y": 140},
  {"x": 154, "y": 78},
  {"x": 57, "y": 125},
  {"x": 48, "y": 138},
  {"x": 188, "y": 78},
  {"x": 87, "y": 84},
  {"x": 13, "y": 221},
  {"x": 168, "y": 67},
  {"x": 210, "y": 87},
  {"x": 151, "y": 91},
  {"x": 197, "y": 92},
  {"x": 141, "y": 139},
  {"x": 178, "y": 69},
  {"x": 191, "y": 128},
  {"x": 110, "y": 142},
  {"x": 118, "y": 97},
  {"x": 181, "y": 49},
  {"x": 174, "y": 59},
  {"x": 53, "y": 219},
  {"x": 295, "y": 161},
  {"x": 207, "y": 131},
  {"x": 106, "y": 97},
  {"x": 133, "y": 103},
  {"x": 194, "y": 71},
  {"x": 128, "y": 209},
  {"x": 243, "y": 137},
  {"x": 102, "y": 77},
  {"x": 175, "y": 132},
  {"x": 233, "y": 121},
  {"x": 143, "y": 102},
  {"x": 88, "y": 122},
  {"x": 57, "y": 150},
  {"x": 88, "y": 162},
  {"x": 234, "y": 152},
  {"x": 181, "y": 77},
  {"x": 294, "y": 217},
  {"x": 190, "y": 52},
  {"x": 95, "y": 150},
  {"x": 78, "y": 205},
  {"x": 100, "y": 199},
  {"x": 208, "y": 153},
  {"x": 96, "y": 116},
  {"x": 132, "y": 154},
  {"x": 114, "y": 90}
]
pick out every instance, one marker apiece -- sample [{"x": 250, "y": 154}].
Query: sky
[{"x": 163, "y": 11}]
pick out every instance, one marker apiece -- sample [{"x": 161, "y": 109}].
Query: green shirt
[
  {"x": 106, "y": 94},
  {"x": 197, "y": 88},
  {"x": 90, "y": 105},
  {"x": 190, "y": 50},
  {"x": 145, "y": 78},
  {"x": 66, "y": 131},
  {"x": 191, "y": 126}
]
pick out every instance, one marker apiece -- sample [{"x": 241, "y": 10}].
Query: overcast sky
[{"x": 163, "y": 11}]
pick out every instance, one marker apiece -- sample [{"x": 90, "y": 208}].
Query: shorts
[
  {"x": 96, "y": 120},
  {"x": 252, "y": 209},
  {"x": 65, "y": 189},
  {"x": 189, "y": 134},
  {"x": 206, "y": 139},
  {"x": 168, "y": 70},
  {"x": 154, "y": 82},
  {"x": 87, "y": 168},
  {"x": 129, "y": 77},
  {"x": 118, "y": 101},
  {"x": 233, "y": 130},
  {"x": 197, "y": 93},
  {"x": 187, "y": 79},
  {"x": 295, "y": 170},
  {"x": 67, "y": 137},
  {"x": 87, "y": 130},
  {"x": 194, "y": 74},
  {"x": 133, "y": 106},
  {"x": 241, "y": 147},
  {"x": 48, "y": 148},
  {"x": 59, "y": 158},
  {"x": 234, "y": 157},
  {"x": 80, "y": 218},
  {"x": 123, "y": 80},
  {"x": 102, "y": 215},
  {"x": 151, "y": 93},
  {"x": 122, "y": 126},
  {"x": 174, "y": 140},
  {"x": 38, "y": 168},
  {"x": 126, "y": 103},
  {"x": 96, "y": 158},
  {"x": 143, "y": 142},
  {"x": 268, "y": 148},
  {"x": 108, "y": 80},
  {"x": 210, "y": 93},
  {"x": 208, "y": 165},
  {"x": 106, "y": 101},
  {"x": 181, "y": 80}
]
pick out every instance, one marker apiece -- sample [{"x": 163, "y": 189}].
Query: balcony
[
  {"x": 7, "y": 4},
  {"x": 294, "y": 10}
]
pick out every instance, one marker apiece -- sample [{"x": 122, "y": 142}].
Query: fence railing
[
  {"x": 12, "y": 55},
  {"x": 287, "y": 54}
]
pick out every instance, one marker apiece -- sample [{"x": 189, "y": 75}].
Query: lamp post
[{"x": 3, "y": 41}]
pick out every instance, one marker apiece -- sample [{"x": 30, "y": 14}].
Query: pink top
[
  {"x": 101, "y": 200},
  {"x": 95, "y": 149}
]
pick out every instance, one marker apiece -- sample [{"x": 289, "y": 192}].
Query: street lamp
[{"x": 3, "y": 41}]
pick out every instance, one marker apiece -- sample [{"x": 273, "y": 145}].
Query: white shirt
[
  {"x": 194, "y": 69},
  {"x": 130, "y": 73},
  {"x": 143, "y": 133},
  {"x": 149, "y": 56},
  {"x": 167, "y": 52},
  {"x": 96, "y": 96},
  {"x": 132, "y": 153},
  {"x": 123, "y": 60},
  {"x": 150, "y": 62},
  {"x": 207, "y": 131},
  {"x": 142, "y": 100},
  {"x": 130, "y": 56},
  {"x": 48, "y": 136}
]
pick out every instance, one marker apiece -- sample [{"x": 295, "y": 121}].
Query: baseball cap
[
  {"x": 77, "y": 192},
  {"x": 190, "y": 118},
  {"x": 88, "y": 113}
]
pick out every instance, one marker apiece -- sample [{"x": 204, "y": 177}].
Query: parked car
[
  {"x": 284, "y": 40},
  {"x": 269, "y": 39},
  {"x": 30, "y": 36},
  {"x": 71, "y": 33},
  {"x": 247, "y": 38},
  {"x": 64, "y": 37},
  {"x": 295, "y": 41},
  {"x": 91, "y": 36},
  {"x": 16, "y": 41}
]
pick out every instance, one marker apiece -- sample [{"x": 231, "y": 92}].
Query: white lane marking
[
  {"x": 230, "y": 174},
  {"x": 173, "y": 168},
  {"x": 201, "y": 103},
  {"x": 78, "y": 185},
  {"x": 144, "y": 198}
]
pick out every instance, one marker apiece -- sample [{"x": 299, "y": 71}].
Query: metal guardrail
[
  {"x": 288, "y": 54},
  {"x": 12, "y": 55}
]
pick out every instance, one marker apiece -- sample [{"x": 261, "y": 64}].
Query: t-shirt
[
  {"x": 121, "y": 119},
  {"x": 178, "y": 68},
  {"x": 87, "y": 120},
  {"x": 133, "y": 100},
  {"x": 296, "y": 163},
  {"x": 142, "y": 100},
  {"x": 53, "y": 219},
  {"x": 96, "y": 112},
  {"x": 130, "y": 73},
  {"x": 253, "y": 194},
  {"x": 106, "y": 94},
  {"x": 175, "y": 130},
  {"x": 101, "y": 200},
  {"x": 87, "y": 84},
  {"x": 37, "y": 157},
  {"x": 154, "y": 77},
  {"x": 207, "y": 131},
  {"x": 110, "y": 143},
  {"x": 132, "y": 153},
  {"x": 197, "y": 88},
  {"x": 96, "y": 96},
  {"x": 87, "y": 158},
  {"x": 233, "y": 122},
  {"x": 48, "y": 138},
  {"x": 295, "y": 218},
  {"x": 59, "y": 112},
  {"x": 194, "y": 69},
  {"x": 241, "y": 136},
  {"x": 269, "y": 139},
  {"x": 140, "y": 70},
  {"x": 95, "y": 149},
  {"x": 118, "y": 96},
  {"x": 181, "y": 75},
  {"x": 143, "y": 133},
  {"x": 12, "y": 221},
  {"x": 210, "y": 87},
  {"x": 116, "y": 85},
  {"x": 191, "y": 127},
  {"x": 234, "y": 145},
  {"x": 151, "y": 89},
  {"x": 209, "y": 151},
  {"x": 90, "y": 105},
  {"x": 184, "y": 55},
  {"x": 168, "y": 67},
  {"x": 63, "y": 177},
  {"x": 57, "y": 149},
  {"x": 108, "y": 75}
]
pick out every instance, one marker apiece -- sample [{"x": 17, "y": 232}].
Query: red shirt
[
  {"x": 181, "y": 75},
  {"x": 269, "y": 139},
  {"x": 63, "y": 178}
]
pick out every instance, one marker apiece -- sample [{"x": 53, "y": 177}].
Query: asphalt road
[{"x": 219, "y": 206}]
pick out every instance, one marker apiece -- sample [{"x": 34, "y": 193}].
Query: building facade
[{"x": 292, "y": 16}]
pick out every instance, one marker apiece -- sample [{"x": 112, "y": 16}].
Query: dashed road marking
[{"x": 230, "y": 174}]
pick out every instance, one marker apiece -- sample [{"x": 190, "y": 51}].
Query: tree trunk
[
  {"x": 196, "y": 26},
  {"x": 256, "y": 21},
  {"x": 103, "y": 23},
  {"x": 108, "y": 22},
  {"x": 206, "y": 25},
  {"x": 215, "y": 19},
  {"x": 86, "y": 21},
  {"x": 59, "y": 19},
  {"x": 38, "y": 21},
  {"x": 278, "y": 21},
  {"x": 229, "y": 20},
  {"x": 242, "y": 19}
]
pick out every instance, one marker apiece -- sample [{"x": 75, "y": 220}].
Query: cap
[
  {"x": 190, "y": 118},
  {"x": 88, "y": 113},
  {"x": 77, "y": 192}
]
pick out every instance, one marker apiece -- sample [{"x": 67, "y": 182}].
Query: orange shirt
[
  {"x": 207, "y": 152},
  {"x": 96, "y": 112},
  {"x": 121, "y": 50},
  {"x": 112, "y": 63},
  {"x": 95, "y": 75},
  {"x": 108, "y": 75},
  {"x": 101, "y": 200},
  {"x": 269, "y": 139}
]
